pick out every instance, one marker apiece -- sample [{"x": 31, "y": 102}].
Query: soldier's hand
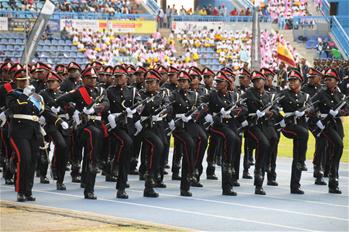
[
  {"x": 130, "y": 112},
  {"x": 334, "y": 113},
  {"x": 111, "y": 120},
  {"x": 260, "y": 114},
  {"x": 88, "y": 111},
  {"x": 55, "y": 109},
  {"x": 2, "y": 119},
  {"x": 299, "y": 113},
  {"x": 64, "y": 125}
]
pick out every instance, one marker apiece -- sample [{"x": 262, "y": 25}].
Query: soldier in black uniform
[
  {"x": 225, "y": 123},
  {"x": 39, "y": 73},
  {"x": 137, "y": 141},
  {"x": 72, "y": 81},
  {"x": 62, "y": 71},
  {"x": 187, "y": 133},
  {"x": 121, "y": 98},
  {"x": 25, "y": 108},
  {"x": 151, "y": 131},
  {"x": 59, "y": 137},
  {"x": 91, "y": 102},
  {"x": 271, "y": 163},
  {"x": 261, "y": 131},
  {"x": 330, "y": 125},
  {"x": 296, "y": 126},
  {"x": 7, "y": 85},
  {"x": 312, "y": 88}
]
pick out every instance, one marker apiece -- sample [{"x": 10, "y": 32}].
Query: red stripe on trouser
[
  {"x": 290, "y": 132},
  {"x": 186, "y": 151},
  {"x": 105, "y": 129},
  {"x": 257, "y": 142},
  {"x": 225, "y": 142},
  {"x": 150, "y": 161},
  {"x": 18, "y": 164},
  {"x": 121, "y": 147},
  {"x": 91, "y": 144}
]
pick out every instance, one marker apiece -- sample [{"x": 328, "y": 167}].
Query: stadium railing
[
  {"x": 340, "y": 34},
  {"x": 217, "y": 18},
  {"x": 152, "y": 6},
  {"x": 75, "y": 15}
]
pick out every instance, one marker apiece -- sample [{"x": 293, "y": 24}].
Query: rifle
[
  {"x": 326, "y": 117},
  {"x": 190, "y": 113},
  {"x": 265, "y": 109},
  {"x": 159, "y": 112},
  {"x": 230, "y": 107}
]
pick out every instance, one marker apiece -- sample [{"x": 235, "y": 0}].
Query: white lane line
[
  {"x": 184, "y": 211},
  {"x": 243, "y": 205}
]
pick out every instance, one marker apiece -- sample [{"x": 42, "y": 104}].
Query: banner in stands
[
  {"x": 53, "y": 25},
  {"x": 20, "y": 24},
  {"x": 128, "y": 26},
  {"x": 79, "y": 24},
  {"x": 190, "y": 25},
  {"x": 3, "y": 24}
]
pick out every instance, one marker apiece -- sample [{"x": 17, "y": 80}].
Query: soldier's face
[
  {"x": 53, "y": 85},
  {"x": 164, "y": 78},
  {"x": 331, "y": 83},
  {"x": 102, "y": 78},
  {"x": 208, "y": 80},
  {"x": 74, "y": 74},
  {"x": 244, "y": 81},
  {"x": 90, "y": 81},
  {"x": 173, "y": 78},
  {"x": 110, "y": 79},
  {"x": 259, "y": 83},
  {"x": 195, "y": 83},
  {"x": 151, "y": 85},
  {"x": 294, "y": 84},
  {"x": 139, "y": 78},
  {"x": 121, "y": 80},
  {"x": 221, "y": 85},
  {"x": 22, "y": 84},
  {"x": 183, "y": 84}
]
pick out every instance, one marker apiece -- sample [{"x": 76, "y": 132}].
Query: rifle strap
[{"x": 85, "y": 96}]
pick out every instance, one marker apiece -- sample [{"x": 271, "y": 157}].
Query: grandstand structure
[{"x": 301, "y": 33}]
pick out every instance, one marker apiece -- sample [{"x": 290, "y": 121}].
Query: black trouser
[
  {"x": 274, "y": 138},
  {"x": 75, "y": 154},
  {"x": 121, "y": 154},
  {"x": 248, "y": 153},
  {"x": 27, "y": 151},
  {"x": 153, "y": 147},
  {"x": 200, "y": 149},
  {"x": 6, "y": 153},
  {"x": 136, "y": 148},
  {"x": 92, "y": 140},
  {"x": 43, "y": 159},
  {"x": 319, "y": 157},
  {"x": 259, "y": 138},
  {"x": 300, "y": 135},
  {"x": 177, "y": 156},
  {"x": 333, "y": 135},
  {"x": 188, "y": 146},
  {"x": 60, "y": 153},
  {"x": 230, "y": 146}
]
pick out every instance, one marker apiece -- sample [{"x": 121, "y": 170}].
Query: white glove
[
  {"x": 172, "y": 125},
  {"x": 42, "y": 120},
  {"x": 88, "y": 111},
  {"x": 244, "y": 124},
  {"x": 55, "y": 110},
  {"x": 29, "y": 90},
  {"x": 2, "y": 119},
  {"x": 334, "y": 113},
  {"x": 130, "y": 112},
  {"x": 260, "y": 114},
  {"x": 64, "y": 125},
  {"x": 209, "y": 118},
  {"x": 299, "y": 113},
  {"x": 320, "y": 125},
  {"x": 282, "y": 123},
  {"x": 111, "y": 120},
  {"x": 185, "y": 119},
  {"x": 225, "y": 113},
  {"x": 76, "y": 117},
  {"x": 138, "y": 126}
]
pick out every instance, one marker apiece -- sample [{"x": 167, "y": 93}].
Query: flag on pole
[{"x": 285, "y": 55}]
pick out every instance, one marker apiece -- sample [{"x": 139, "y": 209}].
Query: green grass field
[{"x": 286, "y": 145}]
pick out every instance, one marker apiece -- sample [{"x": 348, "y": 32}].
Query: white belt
[
  {"x": 66, "y": 116},
  {"x": 180, "y": 115},
  {"x": 33, "y": 118},
  {"x": 323, "y": 115},
  {"x": 226, "y": 117},
  {"x": 93, "y": 117},
  {"x": 116, "y": 114}
]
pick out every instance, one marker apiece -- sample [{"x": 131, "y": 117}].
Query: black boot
[
  {"x": 30, "y": 197},
  {"x": 320, "y": 181},
  {"x": 44, "y": 180},
  {"x": 61, "y": 186},
  {"x": 259, "y": 190},
  {"x": 110, "y": 178},
  {"x": 21, "y": 197},
  {"x": 9, "y": 182},
  {"x": 246, "y": 175},
  {"x": 297, "y": 191},
  {"x": 333, "y": 185},
  {"x": 186, "y": 193},
  {"x": 175, "y": 172},
  {"x": 121, "y": 194},
  {"x": 229, "y": 192},
  {"x": 210, "y": 172},
  {"x": 227, "y": 179},
  {"x": 76, "y": 179},
  {"x": 149, "y": 187},
  {"x": 90, "y": 196}
]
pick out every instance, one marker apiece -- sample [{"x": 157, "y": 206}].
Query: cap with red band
[
  {"x": 220, "y": 76},
  {"x": 119, "y": 70},
  {"x": 89, "y": 72},
  {"x": 21, "y": 75},
  {"x": 294, "y": 74},
  {"x": 53, "y": 76},
  {"x": 183, "y": 75},
  {"x": 332, "y": 73},
  {"x": 152, "y": 75},
  {"x": 207, "y": 72},
  {"x": 255, "y": 75}
]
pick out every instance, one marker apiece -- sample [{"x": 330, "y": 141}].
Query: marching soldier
[
  {"x": 24, "y": 130},
  {"x": 59, "y": 137},
  {"x": 91, "y": 102},
  {"x": 261, "y": 132},
  {"x": 39, "y": 73},
  {"x": 151, "y": 130},
  {"x": 293, "y": 104},
  {"x": 121, "y": 98},
  {"x": 331, "y": 105}
]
